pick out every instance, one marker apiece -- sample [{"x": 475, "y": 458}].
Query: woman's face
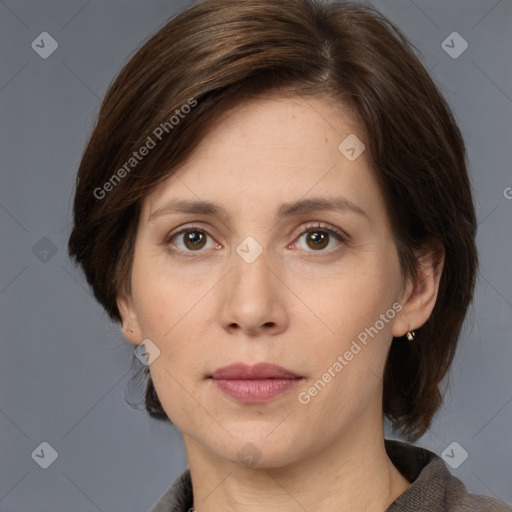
[{"x": 272, "y": 276}]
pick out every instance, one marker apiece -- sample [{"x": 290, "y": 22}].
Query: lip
[
  {"x": 254, "y": 384},
  {"x": 242, "y": 371}
]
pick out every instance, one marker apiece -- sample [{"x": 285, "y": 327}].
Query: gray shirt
[{"x": 433, "y": 488}]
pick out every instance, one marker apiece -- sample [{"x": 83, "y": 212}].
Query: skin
[{"x": 296, "y": 305}]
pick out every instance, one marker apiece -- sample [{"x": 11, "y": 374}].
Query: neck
[{"x": 355, "y": 474}]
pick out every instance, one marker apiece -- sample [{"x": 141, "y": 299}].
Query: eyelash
[{"x": 331, "y": 230}]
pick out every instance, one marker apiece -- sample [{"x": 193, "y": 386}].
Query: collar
[{"x": 433, "y": 488}]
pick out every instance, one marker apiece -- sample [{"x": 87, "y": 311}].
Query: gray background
[{"x": 64, "y": 367}]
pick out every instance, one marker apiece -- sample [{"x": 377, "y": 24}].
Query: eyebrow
[{"x": 301, "y": 207}]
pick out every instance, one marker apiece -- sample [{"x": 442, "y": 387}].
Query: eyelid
[
  {"x": 324, "y": 227},
  {"x": 182, "y": 229}
]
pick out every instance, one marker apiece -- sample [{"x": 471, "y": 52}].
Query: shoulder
[{"x": 433, "y": 488}]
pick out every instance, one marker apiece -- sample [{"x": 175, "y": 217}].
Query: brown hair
[{"x": 221, "y": 52}]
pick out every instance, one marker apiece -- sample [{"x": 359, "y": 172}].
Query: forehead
[
  {"x": 274, "y": 150},
  {"x": 289, "y": 127}
]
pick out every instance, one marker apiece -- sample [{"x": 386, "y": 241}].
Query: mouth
[
  {"x": 242, "y": 371},
  {"x": 254, "y": 384}
]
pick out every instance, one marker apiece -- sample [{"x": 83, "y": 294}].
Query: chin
[{"x": 257, "y": 450}]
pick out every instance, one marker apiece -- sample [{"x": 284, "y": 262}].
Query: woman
[{"x": 275, "y": 205}]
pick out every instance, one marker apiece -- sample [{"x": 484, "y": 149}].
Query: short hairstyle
[{"x": 220, "y": 53}]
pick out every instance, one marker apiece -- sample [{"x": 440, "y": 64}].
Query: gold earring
[{"x": 411, "y": 335}]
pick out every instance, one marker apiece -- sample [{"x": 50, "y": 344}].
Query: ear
[
  {"x": 130, "y": 325},
  {"x": 420, "y": 295}
]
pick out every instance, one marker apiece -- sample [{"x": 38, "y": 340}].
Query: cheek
[
  {"x": 170, "y": 309},
  {"x": 359, "y": 306},
  {"x": 353, "y": 298},
  {"x": 347, "y": 368},
  {"x": 160, "y": 297}
]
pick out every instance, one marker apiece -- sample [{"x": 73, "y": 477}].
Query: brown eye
[
  {"x": 187, "y": 240},
  {"x": 318, "y": 236},
  {"x": 194, "y": 239},
  {"x": 317, "y": 239}
]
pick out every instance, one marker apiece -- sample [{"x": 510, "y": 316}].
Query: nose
[{"x": 253, "y": 299}]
